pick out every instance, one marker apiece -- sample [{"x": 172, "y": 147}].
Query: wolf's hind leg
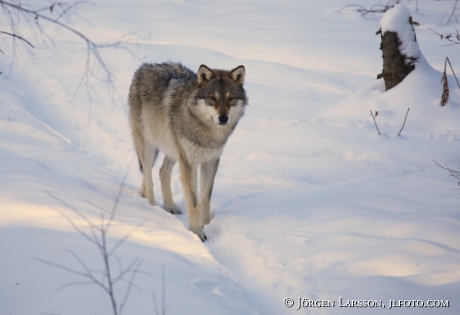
[
  {"x": 208, "y": 172},
  {"x": 165, "y": 178},
  {"x": 147, "y": 160}
]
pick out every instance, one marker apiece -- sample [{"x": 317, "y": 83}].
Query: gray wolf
[{"x": 189, "y": 117}]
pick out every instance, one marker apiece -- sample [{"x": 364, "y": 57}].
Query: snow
[
  {"x": 396, "y": 20},
  {"x": 309, "y": 201}
]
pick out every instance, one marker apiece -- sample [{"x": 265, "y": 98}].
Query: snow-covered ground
[{"x": 309, "y": 202}]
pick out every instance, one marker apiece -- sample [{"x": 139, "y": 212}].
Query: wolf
[{"x": 189, "y": 117}]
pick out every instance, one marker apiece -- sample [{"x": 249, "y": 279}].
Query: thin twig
[
  {"x": 359, "y": 8},
  {"x": 46, "y": 262},
  {"x": 73, "y": 284},
  {"x": 453, "y": 38},
  {"x": 163, "y": 291},
  {"x": 108, "y": 274},
  {"x": 17, "y": 36},
  {"x": 163, "y": 306},
  {"x": 94, "y": 240},
  {"x": 124, "y": 271},
  {"x": 375, "y": 122},
  {"x": 404, "y": 122},
  {"x": 99, "y": 236},
  {"x": 376, "y": 8},
  {"x": 15, "y": 11},
  {"x": 453, "y": 173},
  {"x": 116, "y": 202},
  {"x": 130, "y": 285},
  {"x": 452, "y": 14},
  {"x": 124, "y": 238},
  {"x": 458, "y": 84},
  {"x": 88, "y": 271}
]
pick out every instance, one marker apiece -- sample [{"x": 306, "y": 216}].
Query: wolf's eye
[
  {"x": 212, "y": 98},
  {"x": 231, "y": 98}
]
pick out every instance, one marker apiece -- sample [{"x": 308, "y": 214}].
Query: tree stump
[{"x": 396, "y": 38}]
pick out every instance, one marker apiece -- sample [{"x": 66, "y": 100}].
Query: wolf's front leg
[
  {"x": 188, "y": 178},
  {"x": 165, "y": 178},
  {"x": 147, "y": 160},
  {"x": 208, "y": 173}
]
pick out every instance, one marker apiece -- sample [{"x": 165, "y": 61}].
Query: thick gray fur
[{"x": 189, "y": 117}]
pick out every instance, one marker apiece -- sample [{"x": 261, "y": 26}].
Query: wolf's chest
[{"x": 199, "y": 154}]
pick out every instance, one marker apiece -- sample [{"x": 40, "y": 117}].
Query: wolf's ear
[
  {"x": 237, "y": 75},
  {"x": 204, "y": 75}
]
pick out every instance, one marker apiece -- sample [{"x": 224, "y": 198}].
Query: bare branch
[
  {"x": 123, "y": 239},
  {"x": 108, "y": 273},
  {"x": 453, "y": 173},
  {"x": 453, "y": 38},
  {"x": 99, "y": 239},
  {"x": 377, "y": 8},
  {"x": 88, "y": 272},
  {"x": 375, "y": 122},
  {"x": 126, "y": 270},
  {"x": 359, "y": 8},
  {"x": 133, "y": 269},
  {"x": 163, "y": 291},
  {"x": 164, "y": 306},
  {"x": 453, "y": 72},
  {"x": 404, "y": 123},
  {"x": 453, "y": 14},
  {"x": 59, "y": 13},
  {"x": 94, "y": 240},
  {"x": 46, "y": 262},
  {"x": 73, "y": 284},
  {"x": 17, "y": 36},
  {"x": 116, "y": 202}
]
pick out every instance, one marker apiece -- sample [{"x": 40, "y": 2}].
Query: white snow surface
[
  {"x": 396, "y": 20},
  {"x": 309, "y": 202}
]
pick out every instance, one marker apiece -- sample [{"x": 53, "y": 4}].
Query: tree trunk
[{"x": 396, "y": 66}]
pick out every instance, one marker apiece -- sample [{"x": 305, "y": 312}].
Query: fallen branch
[
  {"x": 404, "y": 122},
  {"x": 375, "y": 123}
]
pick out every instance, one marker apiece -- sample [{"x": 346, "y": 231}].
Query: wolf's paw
[
  {"x": 200, "y": 233},
  {"x": 151, "y": 198},
  {"x": 173, "y": 209}
]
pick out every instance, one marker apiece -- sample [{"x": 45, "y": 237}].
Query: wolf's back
[{"x": 151, "y": 80}]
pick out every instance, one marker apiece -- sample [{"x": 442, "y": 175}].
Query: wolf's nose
[{"x": 223, "y": 119}]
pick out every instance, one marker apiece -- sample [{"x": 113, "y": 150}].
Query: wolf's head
[{"x": 221, "y": 95}]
